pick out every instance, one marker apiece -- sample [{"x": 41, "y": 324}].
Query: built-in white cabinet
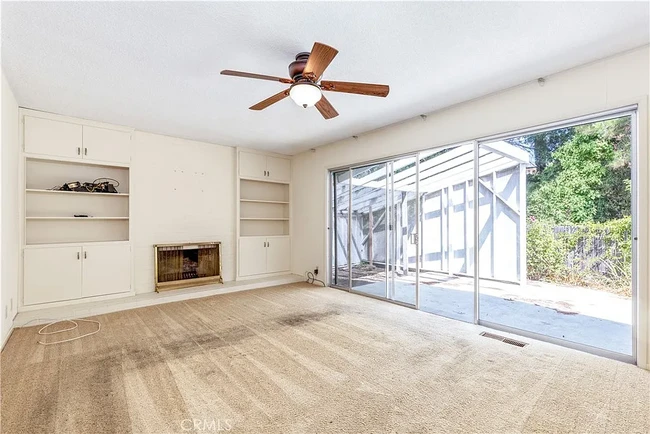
[
  {"x": 252, "y": 256},
  {"x": 52, "y": 274},
  {"x": 102, "y": 144},
  {"x": 264, "y": 211},
  {"x": 278, "y": 169},
  {"x": 264, "y": 167},
  {"x": 48, "y": 137},
  {"x": 106, "y": 269},
  {"x": 76, "y": 244},
  {"x": 61, "y": 273},
  {"x": 264, "y": 255},
  {"x": 75, "y": 141},
  {"x": 278, "y": 254}
]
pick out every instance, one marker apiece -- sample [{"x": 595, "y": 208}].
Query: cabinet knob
[
  {"x": 85, "y": 255},
  {"x": 85, "y": 151},
  {"x": 78, "y": 151},
  {"x": 77, "y": 256}
]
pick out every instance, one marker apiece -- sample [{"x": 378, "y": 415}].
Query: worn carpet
[{"x": 304, "y": 359}]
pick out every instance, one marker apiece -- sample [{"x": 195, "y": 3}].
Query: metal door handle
[
  {"x": 85, "y": 255},
  {"x": 77, "y": 256},
  {"x": 85, "y": 151},
  {"x": 268, "y": 244},
  {"x": 78, "y": 151}
]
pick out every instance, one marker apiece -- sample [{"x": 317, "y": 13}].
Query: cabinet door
[
  {"x": 252, "y": 256},
  {"x": 106, "y": 269},
  {"x": 278, "y": 254},
  {"x": 252, "y": 165},
  {"x": 278, "y": 169},
  {"x": 102, "y": 144},
  {"x": 52, "y": 274},
  {"x": 47, "y": 137}
]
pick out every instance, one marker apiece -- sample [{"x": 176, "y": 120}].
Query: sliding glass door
[
  {"x": 545, "y": 221},
  {"x": 446, "y": 231},
  {"x": 339, "y": 241},
  {"x": 368, "y": 229},
  {"x": 402, "y": 240},
  {"x": 556, "y": 239},
  {"x": 374, "y": 222}
]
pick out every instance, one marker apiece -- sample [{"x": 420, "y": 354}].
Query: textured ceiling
[{"x": 155, "y": 66}]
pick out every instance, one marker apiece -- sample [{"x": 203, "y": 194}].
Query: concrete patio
[{"x": 583, "y": 315}]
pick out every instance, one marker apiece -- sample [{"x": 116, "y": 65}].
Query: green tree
[{"x": 587, "y": 178}]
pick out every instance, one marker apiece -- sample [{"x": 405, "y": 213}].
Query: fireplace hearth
[{"x": 187, "y": 264}]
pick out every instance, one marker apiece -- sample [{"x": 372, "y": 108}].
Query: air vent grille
[{"x": 500, "y": 338}]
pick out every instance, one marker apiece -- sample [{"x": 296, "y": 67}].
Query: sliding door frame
[
  {"x": 631, "y": 110},
  {"x": 388, "y": 162}
]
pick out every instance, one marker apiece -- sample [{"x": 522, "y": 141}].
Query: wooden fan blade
[
  {"x": 271, "y": 100},
  {"x": 257, "y": 76},
  {"x": 326, "y": 109},
  {"x": 358, "y": 88},
  {"x": 319, "y": 59}
]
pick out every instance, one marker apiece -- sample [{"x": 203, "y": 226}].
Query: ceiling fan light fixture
[{"x": 305, "y": 94}]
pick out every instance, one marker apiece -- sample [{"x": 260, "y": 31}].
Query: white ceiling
[{"x": 155, "y": 66}]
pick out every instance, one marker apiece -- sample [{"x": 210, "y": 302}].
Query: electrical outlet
[{"x": 316, "y": 271}]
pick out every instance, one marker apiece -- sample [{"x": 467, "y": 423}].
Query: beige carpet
[{"x": 303, "y": 359}]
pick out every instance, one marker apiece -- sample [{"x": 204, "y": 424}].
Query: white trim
[
  {"x": 93, "y": 308},
  {"x": 7, "y": 336},
  {"x": 249, "y": 178}
]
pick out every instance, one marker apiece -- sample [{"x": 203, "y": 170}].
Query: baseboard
[
  {"x": 6, "y": 339},
  {"x": 92, "y": 308}
]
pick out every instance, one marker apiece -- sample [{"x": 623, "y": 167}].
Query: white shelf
[
  {"x": 271, "y": 181},
  {"x": 76, "y": 218},
  {"x": 266, "y": 218},
  {"x": 265, "y": 201},
  {"x": 35, "y": 190}
]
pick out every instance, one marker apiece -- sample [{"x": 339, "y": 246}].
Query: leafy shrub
[{"x": 593, "y": 254}]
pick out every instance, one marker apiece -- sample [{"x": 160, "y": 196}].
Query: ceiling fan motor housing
[{"x": 297, "y": 66}]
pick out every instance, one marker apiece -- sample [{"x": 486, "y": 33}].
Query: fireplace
[{"x": 187, "y": 264}]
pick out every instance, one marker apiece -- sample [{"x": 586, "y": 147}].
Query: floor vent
[{"x": 504, "y": 339}]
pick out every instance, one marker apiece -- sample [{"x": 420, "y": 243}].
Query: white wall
[
  {"x": 181, "y": 190},
  {"x": 9, "y": 216},
  {"x": 609, "y": 83}
]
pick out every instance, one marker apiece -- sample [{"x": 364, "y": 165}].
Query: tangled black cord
[{"x": 311, "y": 278}]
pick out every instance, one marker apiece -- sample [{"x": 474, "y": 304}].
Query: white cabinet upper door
[
  {"x": 102, "y": 144},
  {"x": 252, "y": 256},
  {"x": 48, "y": 137},
  {"x": 252, "y": 165},
  {"x": 278, "y": 169},
  {"x": 278, "y": 254},
  {"x": 52, "y": 274},
  {"x": 106, "y": 269}
]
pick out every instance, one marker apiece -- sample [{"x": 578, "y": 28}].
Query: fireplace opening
[
  {"x": 187, "y": 264},
  {"x": 190, "y": 264}
]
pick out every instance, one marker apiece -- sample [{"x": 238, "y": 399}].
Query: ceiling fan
[{"x": 306, "y": 89}]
